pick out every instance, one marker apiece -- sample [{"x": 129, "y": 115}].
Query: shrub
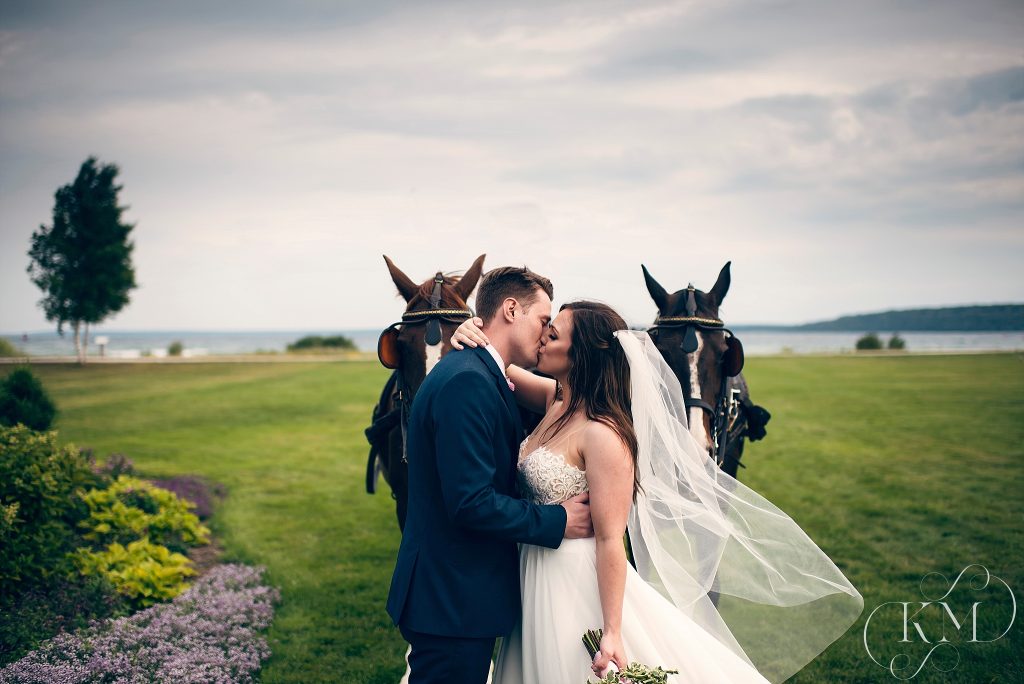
[
  {"x": 210, "y": 633},
  {"x": 175, "y": 348},
  {"x": 64, "y": 604},
  {"x": 869, "y": 341},
  {"x": 23, "y": 400},
  {"x": 144, "y": 572},
  {"x": 131, "y": 508},
  {"x": 8, "y": 349},
  {"x": 39, "y": 506},
  {"x": 318, "y": 342},
  {"x": 897, "y": 342}
]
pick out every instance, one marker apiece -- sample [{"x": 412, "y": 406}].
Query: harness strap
[
  {"x": 433, "y": 334},
  {"x": 435, "y": 296},
  {"x": 691, "y": 301},
  {"x": 682, "y": 320},
  {"x": 414, "y": 316},
  {"x": 380, "y": 426},
  {"x": 691, "y": 402}
]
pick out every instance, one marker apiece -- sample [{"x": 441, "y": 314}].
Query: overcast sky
[{"x": 845, "y": 156}]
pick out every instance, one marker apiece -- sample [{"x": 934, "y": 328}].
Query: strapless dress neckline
[{"x": 545, "y": 477}]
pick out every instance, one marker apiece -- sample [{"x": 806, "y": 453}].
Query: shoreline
[
  {"x": 350, "y": 357},
  {"x": 360, "y": 357}
]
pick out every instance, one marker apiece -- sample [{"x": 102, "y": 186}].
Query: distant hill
[{"x": 995, "y": 317}]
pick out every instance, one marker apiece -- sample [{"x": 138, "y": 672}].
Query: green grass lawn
[{"x": 897, "y": 466}]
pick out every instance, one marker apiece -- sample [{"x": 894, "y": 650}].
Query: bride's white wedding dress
[
  {"x": 695, "y": 532},
  {"x": 561, "y": 601}
]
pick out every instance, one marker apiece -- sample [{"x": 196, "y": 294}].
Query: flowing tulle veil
[{"x": 695, "y": 530}]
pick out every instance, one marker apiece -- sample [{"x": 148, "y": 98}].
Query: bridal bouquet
[{"x": 635, "y": 673}]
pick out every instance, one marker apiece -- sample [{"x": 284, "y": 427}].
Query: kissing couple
[{"x": 524, "y": 538}]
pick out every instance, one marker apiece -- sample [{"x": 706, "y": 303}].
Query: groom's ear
[
  {"x": 658, "y": 293},
  {"x": 405, "y": 286},
  {"x": 510, "y": 308},
  {"x": 468, "y": 282}
]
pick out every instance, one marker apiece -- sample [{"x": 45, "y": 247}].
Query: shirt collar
[{"x": 497, "y": 357}]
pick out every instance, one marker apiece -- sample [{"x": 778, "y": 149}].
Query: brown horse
[
  {"x": 708, "y": 360},
  {"x": 410, "y": 348}
]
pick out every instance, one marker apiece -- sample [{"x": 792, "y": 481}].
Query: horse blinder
[
  {"x": 732, "y": 360},
  {"x": 433, "y": 332},
  {"x": 387, "y": 348}
]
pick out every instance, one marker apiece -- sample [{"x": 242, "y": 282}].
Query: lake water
[{"x": 755, "y": 342}]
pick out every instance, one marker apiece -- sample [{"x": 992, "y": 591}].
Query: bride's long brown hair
[{"x": 599, "y": 374}]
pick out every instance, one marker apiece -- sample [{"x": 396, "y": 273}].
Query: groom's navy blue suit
[{"x": 457, "y": 576}]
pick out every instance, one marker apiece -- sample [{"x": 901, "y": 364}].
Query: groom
[{"x": 456, "y": 582}]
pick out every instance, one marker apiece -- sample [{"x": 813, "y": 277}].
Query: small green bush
[
  {"x": 175, "y": 348},
  {"x": 144, "y": 572},
  {"x": 39, "y": 506},
  {"x": 869, "y": 341},
  {"x": 131, "y": 508},
  {"x": 318, "y": 342},
  {"x": 66, "y": 603},
  {"x": 897, "y": 342},
  {"x": 23, "y": 400},
  {"x": 8, "y": 349}
]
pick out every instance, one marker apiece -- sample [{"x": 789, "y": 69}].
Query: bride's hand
[
  {"x": 612, "y": 651},
  {"x": 470, "y": 334}
]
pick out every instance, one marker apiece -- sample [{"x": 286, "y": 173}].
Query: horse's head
[
  {"x": 411, "y": 347},
  {"x": 690, "y": 335},
  {"x": 434, "y": 308}
]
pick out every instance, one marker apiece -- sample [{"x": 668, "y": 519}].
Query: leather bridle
[
  {"x": 389, "y": 354},
  {"x": 727, "y": 407}
]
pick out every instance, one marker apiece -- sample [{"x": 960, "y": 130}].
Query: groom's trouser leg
[{"x": 435, "y": 659}]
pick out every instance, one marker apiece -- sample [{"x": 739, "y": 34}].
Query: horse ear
[
  {"x": 405, "y": 286},
  {"x": 467, "y": 282},
  {"x": 722, "y": 284},
  {"x": 657, "y": 292}
]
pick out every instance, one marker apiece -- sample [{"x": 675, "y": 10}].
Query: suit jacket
[{"x": 457, "y": 573}]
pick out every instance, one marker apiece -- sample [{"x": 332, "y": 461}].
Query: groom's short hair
[{"x": 501, "y": 283}]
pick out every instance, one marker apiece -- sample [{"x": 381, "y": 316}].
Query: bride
[{"x": 614, "y": 425}]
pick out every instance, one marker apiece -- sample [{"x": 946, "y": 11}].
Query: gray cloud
[{"x": 268, "y": 155}]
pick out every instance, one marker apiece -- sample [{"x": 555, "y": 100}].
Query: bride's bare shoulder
[{"x": 599, "y": 439}]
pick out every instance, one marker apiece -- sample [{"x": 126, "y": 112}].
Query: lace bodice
[{"x": 545, "y": 477}]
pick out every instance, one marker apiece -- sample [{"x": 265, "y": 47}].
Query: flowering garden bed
[
  {"x": 95, "y": 583},
  {"x": 209, "y": 633}
]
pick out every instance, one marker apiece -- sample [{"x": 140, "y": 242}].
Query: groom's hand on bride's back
[{"x": 578, "y": 524}]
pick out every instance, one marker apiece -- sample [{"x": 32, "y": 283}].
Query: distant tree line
[
  {"x": 872, "y": 341},
  {"x": 318, "y": 342},
  {"x": 996, "y": 317}
]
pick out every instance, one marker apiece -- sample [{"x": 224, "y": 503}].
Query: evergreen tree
[{"x": 82, "y": 263}]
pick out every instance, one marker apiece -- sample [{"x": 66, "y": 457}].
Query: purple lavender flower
[{"x": 210, "y": 633}]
